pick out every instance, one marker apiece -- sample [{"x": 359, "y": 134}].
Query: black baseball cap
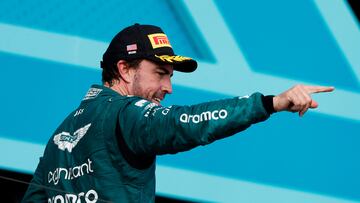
[{"x": 145, "y": 42}]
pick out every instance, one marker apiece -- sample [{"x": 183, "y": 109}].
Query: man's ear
[{"x": 124, "y": 71}]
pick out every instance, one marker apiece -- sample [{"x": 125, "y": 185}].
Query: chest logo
[{"x": 66, "y": 141}]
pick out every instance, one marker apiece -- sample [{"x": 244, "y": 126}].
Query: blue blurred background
[{"x": 50, "y": 53}]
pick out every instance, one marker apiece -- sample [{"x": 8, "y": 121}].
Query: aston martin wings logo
[{"x": 65, "y": 140}]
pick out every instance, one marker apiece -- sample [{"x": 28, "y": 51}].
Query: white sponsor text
[
  {"x": 204, "y": 116},
  {"x": 90, "y": 196},
  {"x": 70, "y": 173}
]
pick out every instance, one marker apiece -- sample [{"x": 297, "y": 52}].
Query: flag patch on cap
[
  {"x": 131, "y": 48},
  {"x": 158, "y": 40}
]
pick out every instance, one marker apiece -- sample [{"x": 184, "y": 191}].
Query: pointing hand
[{"x": 298, "y": 98}]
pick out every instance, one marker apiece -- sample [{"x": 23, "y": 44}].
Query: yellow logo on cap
[
  {"x": 171, "y": 59},
  {"x": 159, "y": 40}
]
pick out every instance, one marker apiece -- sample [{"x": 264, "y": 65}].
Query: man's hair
[{"x": 111, "y": 73}]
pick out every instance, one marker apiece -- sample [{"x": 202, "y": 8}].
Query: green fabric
[{"x": 82, "y": 160}]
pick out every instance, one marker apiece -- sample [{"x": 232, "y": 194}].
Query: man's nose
[{"x": 167, "y": 86}]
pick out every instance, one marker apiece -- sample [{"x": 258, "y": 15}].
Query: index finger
[{"x": 317, "y": 89}]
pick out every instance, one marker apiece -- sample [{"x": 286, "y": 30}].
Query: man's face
[{"x": 152, "y": 81}]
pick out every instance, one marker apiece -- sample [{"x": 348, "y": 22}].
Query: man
[{"x": 105, "y": 150}]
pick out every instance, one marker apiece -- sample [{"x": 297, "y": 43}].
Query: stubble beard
[{"x": 137, "y": 89}]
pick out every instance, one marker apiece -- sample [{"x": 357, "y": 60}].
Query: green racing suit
[{"x": 105, "y": 150}]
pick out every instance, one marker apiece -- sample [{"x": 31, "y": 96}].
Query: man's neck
[{"x": 119, "y": 87}]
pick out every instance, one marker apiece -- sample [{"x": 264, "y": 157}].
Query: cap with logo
[{"x": 145, "y": 42}]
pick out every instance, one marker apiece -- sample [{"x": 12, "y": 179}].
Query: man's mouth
[{"x": 158, "y": 100}]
